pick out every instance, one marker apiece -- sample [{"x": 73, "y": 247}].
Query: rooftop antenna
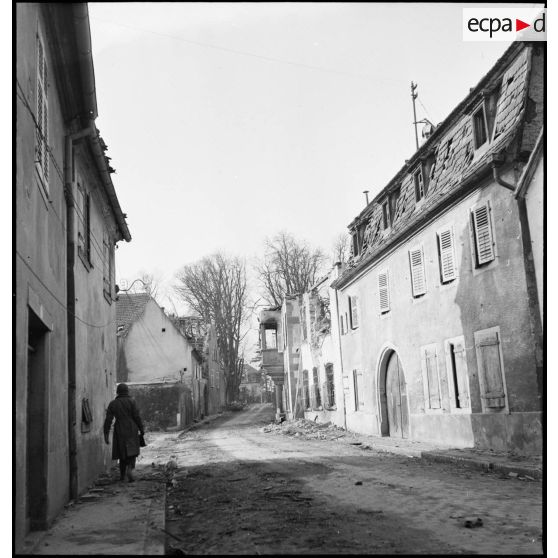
[
  {"x": 365, "y": 192},
  {"x": 414, "y": 96}
]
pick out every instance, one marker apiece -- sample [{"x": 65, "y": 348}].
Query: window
[
  {"x": 330, "y": 385},
  {"x": 491, "y": 370},
  {"x": 270, "y": 338},
  {"x": 355, "y": 244},
  {"x": 480, "y": 133},
  {"x": 394, "y": 196},
  {"x": 446, "y": 254},
  {"x": 42, "y": 152},
  {"x": 353, "y": 312},
  {"x": 457, "y": 374},
  {"x": 386, "y": 222},
  {"x": 419, "y": 184},
  {"x": 357, "y": 385},
  {"x": 483, "y": 238},
  {"x": 84, "y": 223},
  {"x": 305, "y": 391},
  {"x": 316, "y": 388},
  {"x": 418, "y": 277},
  {"x": 431, "y": 378},
  {"x": 383, "y": 291}
]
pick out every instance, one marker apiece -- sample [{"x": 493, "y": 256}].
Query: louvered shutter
[
  {"x": 383, "y": 291},
  {"x": 490, "y": 366},
  {"x": 447, "y": 255},
  {"x": 431, "y": 366},
  {"x": 354, "y": 311},
  {"x": 418, "y": 279},
  {"x": 482, "y": 229},
  {"x": 42, "y": 112}
]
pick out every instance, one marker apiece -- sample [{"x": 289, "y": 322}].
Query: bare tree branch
[
  {"x": 289, "y": 266},
  {"x": 215, "y": 288}
]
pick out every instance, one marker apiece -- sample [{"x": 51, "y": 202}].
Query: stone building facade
[
  {"x": 68, "y": 220},
  {"x": 440, "y": 328}
]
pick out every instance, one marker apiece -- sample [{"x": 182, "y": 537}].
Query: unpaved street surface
[{"x": 240, "y": 490}]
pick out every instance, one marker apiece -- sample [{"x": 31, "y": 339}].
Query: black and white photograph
[{"x": 279, "y": 278}]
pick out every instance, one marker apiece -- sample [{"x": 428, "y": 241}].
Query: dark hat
[{"x": 121, "y": 389}]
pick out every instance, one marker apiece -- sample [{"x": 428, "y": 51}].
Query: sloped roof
[
  {"x": 453, "y": 155},
  {"x": 129, "y": 308}
]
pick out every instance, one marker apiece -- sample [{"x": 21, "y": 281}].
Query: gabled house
[
  {"x": 438, "y": 335},
  {"x": 68, "y": 220},
  {"x": 152, "y": 351}
]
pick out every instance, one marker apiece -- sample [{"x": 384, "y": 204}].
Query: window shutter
[
  {"x": 418, "y": 279},
  {"x": 461, "y": 375},
  {"x": 447, "y": 255},
  {"x": 354, "y": 311},
  {"x": 383, "y": 291},
  {"x": 357, "y": 381},
  {"x": 106, "y": 257},
  {"x": 42, "y": 112},
  {"x": 40, "y": 148},
  {"x": 488, "y": 348},
  {"x": 431, "y": 364},
  {"x": 482, "y": 229}
]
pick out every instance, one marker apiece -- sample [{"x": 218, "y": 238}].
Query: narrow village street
[{"x": 238, "y": 489}]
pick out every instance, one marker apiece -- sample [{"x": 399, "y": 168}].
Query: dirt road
[{"x": 239, "y": 490}]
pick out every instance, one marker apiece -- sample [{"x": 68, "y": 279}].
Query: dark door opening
[{"x": 36, "y": 462}]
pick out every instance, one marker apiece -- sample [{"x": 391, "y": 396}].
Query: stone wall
[{"x": 160, "y": 404}]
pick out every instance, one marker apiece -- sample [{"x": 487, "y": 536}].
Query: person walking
[{"x": 125, "y": 438}]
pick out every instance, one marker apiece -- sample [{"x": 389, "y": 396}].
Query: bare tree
[
  {"x": 289, "y": 266},
  {"x": 341, "y": 248},
  {"x": 215, "y": 288}
]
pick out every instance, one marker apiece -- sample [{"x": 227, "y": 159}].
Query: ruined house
[
  {"x": 162, "y": 366},
  {"x": 68, "y": 220},
  {"x": 438, "y": 308}
]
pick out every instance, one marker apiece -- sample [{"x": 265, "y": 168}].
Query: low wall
[{"x": 159, "y": 404}]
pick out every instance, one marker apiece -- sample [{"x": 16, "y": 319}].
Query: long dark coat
[{"x": 125, "y": 439}]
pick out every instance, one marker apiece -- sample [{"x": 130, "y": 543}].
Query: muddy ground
[{"x": 238, "y": 486}]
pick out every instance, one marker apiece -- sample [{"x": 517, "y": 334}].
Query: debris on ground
[
  {"x": 472, "y": 523},
  {"x": 309, "y": 429}
]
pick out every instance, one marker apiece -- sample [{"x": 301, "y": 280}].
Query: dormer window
[
  {"x": 393, "y": 197},
  {"x": 355, "y": 244},
  {"x": 419, "y": 184},
  {"x": 386, "y": 220},
  {"x": 480, "y": 127}
]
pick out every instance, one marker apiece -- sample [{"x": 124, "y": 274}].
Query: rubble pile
[{"x": 307, "y": 429}]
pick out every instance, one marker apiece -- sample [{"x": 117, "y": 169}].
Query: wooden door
[{"x": 398, "y": 419}]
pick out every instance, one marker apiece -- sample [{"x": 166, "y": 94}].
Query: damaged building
[
  {"x": 439, "y": 305},
  {"x": 432, "y": 331}
]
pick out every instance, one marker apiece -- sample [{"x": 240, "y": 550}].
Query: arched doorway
[{"x": 393, "y": 397}]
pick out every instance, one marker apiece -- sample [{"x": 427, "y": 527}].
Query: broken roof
[
  {"x": 453, "y": 159},
  {"x": 129, "y": 308}
]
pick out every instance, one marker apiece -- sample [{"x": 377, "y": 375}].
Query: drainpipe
[
  {"x": 71, "y": 302},
  {"x": 496, "y": 162},
  {"x": 340, "y": 351}
]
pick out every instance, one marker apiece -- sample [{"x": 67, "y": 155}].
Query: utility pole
[{"x": 413, "y": 97}]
